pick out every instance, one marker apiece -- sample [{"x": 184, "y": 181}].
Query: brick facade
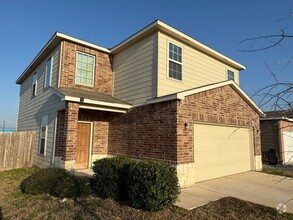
[
  {"x": 221, "y": 105},
  {"x": 60, "y": 134},
  {"x": 70, "y": 128},
  {"x": 157, "y": 130},
  {"x": 145, "y": 132},
  {"x": 102, "y": 74}
]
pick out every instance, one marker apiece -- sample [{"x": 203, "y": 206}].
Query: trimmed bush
[
  {"x": 152, "y": 185},
  {"x": 110, "y": 177},
  {"x": 57, "y": 182},
  {"x": 43, "y": 180}
]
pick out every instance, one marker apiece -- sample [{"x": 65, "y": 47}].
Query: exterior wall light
[{"x": 186, "y": 125}]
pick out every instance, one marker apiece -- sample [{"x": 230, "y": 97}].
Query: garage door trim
[{"x": 250, "y": 142}]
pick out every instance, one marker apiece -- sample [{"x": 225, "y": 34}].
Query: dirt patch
[{"x": 16, "y": 205}]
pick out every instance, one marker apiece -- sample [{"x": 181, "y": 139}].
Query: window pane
[
  {"x": 84, "y": 69},
  {"x": 42, "y": 146},
  {"x": 48, "y": 73}
]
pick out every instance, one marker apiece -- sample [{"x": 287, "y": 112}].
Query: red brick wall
[
  {"x": 70, "y": 125},
  {"x": 100, "y": 121},
  {"x": 147, "y": 131},
  {"x": 60, "y": 134},
  {"x": 221, "y": 105},
  {"x": 157, "y": 130},
  {"x": 103, "y": 70}
]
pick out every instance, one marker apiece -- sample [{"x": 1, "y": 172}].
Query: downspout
[{"x": 54, "y": 142}]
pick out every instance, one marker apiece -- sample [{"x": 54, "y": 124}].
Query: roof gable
[{"x": 232, "y": 84}]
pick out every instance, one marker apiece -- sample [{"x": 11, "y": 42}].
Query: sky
[{"x": 26, "y": 26}]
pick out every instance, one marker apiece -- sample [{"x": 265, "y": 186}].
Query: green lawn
[{"x": 15, "y": 205}]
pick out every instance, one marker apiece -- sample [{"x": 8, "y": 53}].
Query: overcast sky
[{"x": 26, "y": 26}]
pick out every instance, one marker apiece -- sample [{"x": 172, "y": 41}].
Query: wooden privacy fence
[{"x": 16, "y": 150}]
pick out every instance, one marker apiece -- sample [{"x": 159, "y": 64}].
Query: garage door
[
  {"x": 288, "y": 146},
  {"x": 221, "y": 150}
]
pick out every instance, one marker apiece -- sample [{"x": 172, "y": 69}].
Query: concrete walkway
[{"x": 257, "y": 187}]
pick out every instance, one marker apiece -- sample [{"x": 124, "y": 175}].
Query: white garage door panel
[
  {"x": 220, "y": 151},
  {"x": 288, "y": 146}
]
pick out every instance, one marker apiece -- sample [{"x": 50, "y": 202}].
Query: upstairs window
[
  {"x": 175, "y": 61},
  {"x": 48, "y": 73},
  {"x": 43, "y": 135},
  {"x": 230, "y": 75},
  {"x": 85, "y": 64},
  {"x": 34, "y": 84}
]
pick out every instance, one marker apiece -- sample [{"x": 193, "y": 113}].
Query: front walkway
[
  {"x": 84, "y": 172},
  {"x": 266, "y": 189}
]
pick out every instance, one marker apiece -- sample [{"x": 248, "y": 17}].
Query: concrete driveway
[{"x": 261, "y": 188}]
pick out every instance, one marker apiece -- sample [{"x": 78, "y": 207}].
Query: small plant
[
  {"x": 110, "y": 177},
  {"x": 57, "y": 182},
  {"x": 43, "y": 180},
  {"x": 152, "y": 185}
]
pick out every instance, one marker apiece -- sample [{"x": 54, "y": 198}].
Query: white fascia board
[
  {"x": 102, "y": 109},
  {"x": 159, "y": 25},
  {"x": 230, "y": 83},
  {"x": 93, "y": 102},
  {"x": 182, "y": 95},
  {"x": 84, "y": 43},
  {"x": 245, "y": 97},
  {"x": 38, "y": 55},
  {"x": 277, "y": 118},
  {"x": 200, "y": 45},
  {"x": 134, "y": 36}
]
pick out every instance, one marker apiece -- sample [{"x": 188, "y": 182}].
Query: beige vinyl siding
[
  {"x": 135, "y": 71},
  {"x": 198, "y": 69},
  {"x": 31, "y": 109}
]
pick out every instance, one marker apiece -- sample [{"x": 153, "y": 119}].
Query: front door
[{"x": 83, "y": 145}]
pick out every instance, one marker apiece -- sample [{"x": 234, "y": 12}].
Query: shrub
[
  {"x": 42, "y": 181},
  {"x": 110, "y": 177},
  {"x": 57, "y": 182},
  {"x": 152, "y": 185}
]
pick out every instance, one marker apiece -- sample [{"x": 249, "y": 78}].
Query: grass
[
  {"x": 287, "y": 173},
  {"x": 16, "y": 205}
]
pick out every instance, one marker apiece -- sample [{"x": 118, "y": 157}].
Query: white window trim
[
  {"x": 169, "y": 59},
  {"x": 51, "y": 71},
  {"x": 228, "y": 74},
  {"x": 44, "y": 118},
  {"x": 34, "y": 94},
  {"x": 94, "y": 66}
]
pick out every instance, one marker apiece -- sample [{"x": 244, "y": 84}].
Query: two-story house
[{"x": 158, "y": 94}]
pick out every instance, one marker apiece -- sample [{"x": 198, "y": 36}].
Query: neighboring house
[
  {"x": 158, "y": 94},
  {"x": 277, "y": 134}
]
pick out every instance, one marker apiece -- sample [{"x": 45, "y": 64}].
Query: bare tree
[{"x": 278, "y": 94}]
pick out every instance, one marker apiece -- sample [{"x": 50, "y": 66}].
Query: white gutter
[
  {"x": 93, "y": 102},
  {"x": 102, "y": 109},
  {"x": 277, "y": 118},
  {"x": 159, "y": 25},
  {"x": 65, "y": 37},
  {"x": 82, "y": 42}
]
